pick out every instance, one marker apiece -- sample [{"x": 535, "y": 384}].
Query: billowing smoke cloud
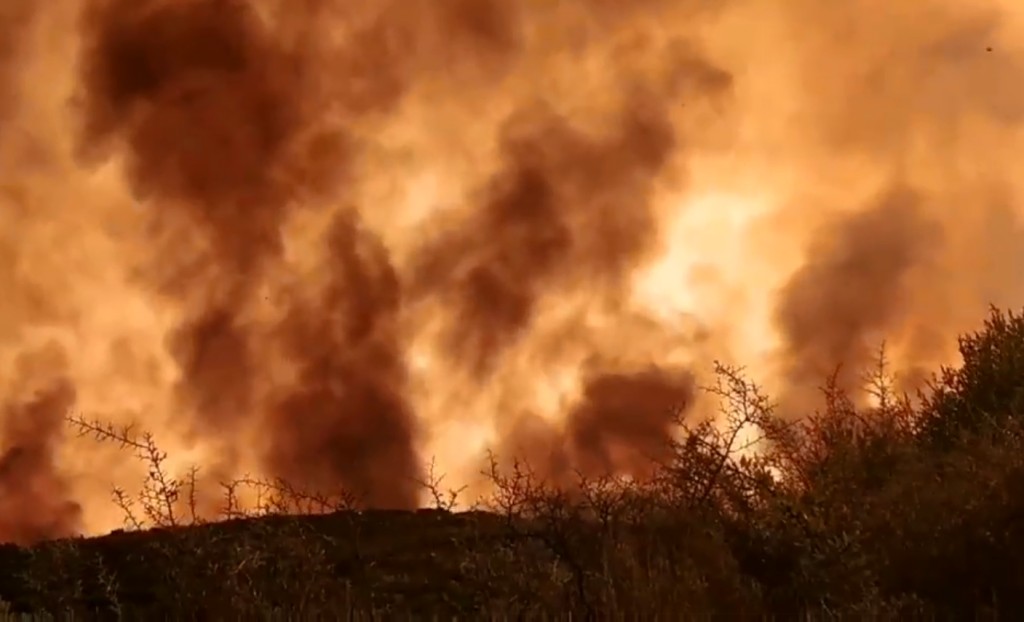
[
  {"x": 852, "y": 290},
  {"x": 212, "y": 110},
  {"x": 348, "y": 423},
  {"x": 35, "y": 499},
  {"x": 623, "y": 423},
  {"x": 631, "y": 415},
  {"x": 922, "y": 103},
  {"x": 568, "y": 210},
  {"x": 15, "y": 18},
  {"x": 565, "y": 211},
  {"x": 206, "y": 106},
  {"x": 326, "y": 241}
]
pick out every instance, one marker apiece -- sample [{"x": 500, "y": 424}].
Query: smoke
[
  {"x": 33, "y": 493},
  {"x": 347, "y": 422},
  {"x": 624, "y": 421},
  {"x": 838, "y": 307},
  {"x": 923, "y": 104},
  {"x": 565, "y": 211},
  {"x": 14, "y": 21},
  {"x": 205, "y": 105},
  {"x": 330, "y": 241}
]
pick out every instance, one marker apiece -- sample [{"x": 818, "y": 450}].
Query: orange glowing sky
[{"x": 287, "y": 219}]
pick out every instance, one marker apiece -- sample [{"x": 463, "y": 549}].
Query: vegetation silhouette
[{"x": 906, "y": 508}]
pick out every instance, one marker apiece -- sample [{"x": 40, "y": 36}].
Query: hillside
[
  {"x": 377, "y": 560},
  {"x": 910, "y": 509}
]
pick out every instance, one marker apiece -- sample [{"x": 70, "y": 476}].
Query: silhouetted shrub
[
  {"x": 987, "y": 389},
  {"x": 887, "y": 511}
]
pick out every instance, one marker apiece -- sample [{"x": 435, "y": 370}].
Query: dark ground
[{"x": 371, "y": 561}]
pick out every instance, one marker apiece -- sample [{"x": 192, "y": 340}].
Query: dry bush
[{"x": 909, "y": 508}]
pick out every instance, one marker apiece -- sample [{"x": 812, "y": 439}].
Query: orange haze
[{"x": 327, "y": 241}]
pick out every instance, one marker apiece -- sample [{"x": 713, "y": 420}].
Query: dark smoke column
[{"x": 213, "y": 110}]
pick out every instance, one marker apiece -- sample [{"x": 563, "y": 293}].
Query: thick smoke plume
[
  {"x": 622, "y": 424},
  {"x": 348, "y": 421},
  {"x": 330, "y": 241},
  {"x": 566, "y": 211},
  {"x": 32, "y": 491},
  {"x": 15, "y": 18},
  {"x": 840, "y": 305}
]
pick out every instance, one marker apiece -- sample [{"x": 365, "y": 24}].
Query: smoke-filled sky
[{"x": 328, "y": 241}]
